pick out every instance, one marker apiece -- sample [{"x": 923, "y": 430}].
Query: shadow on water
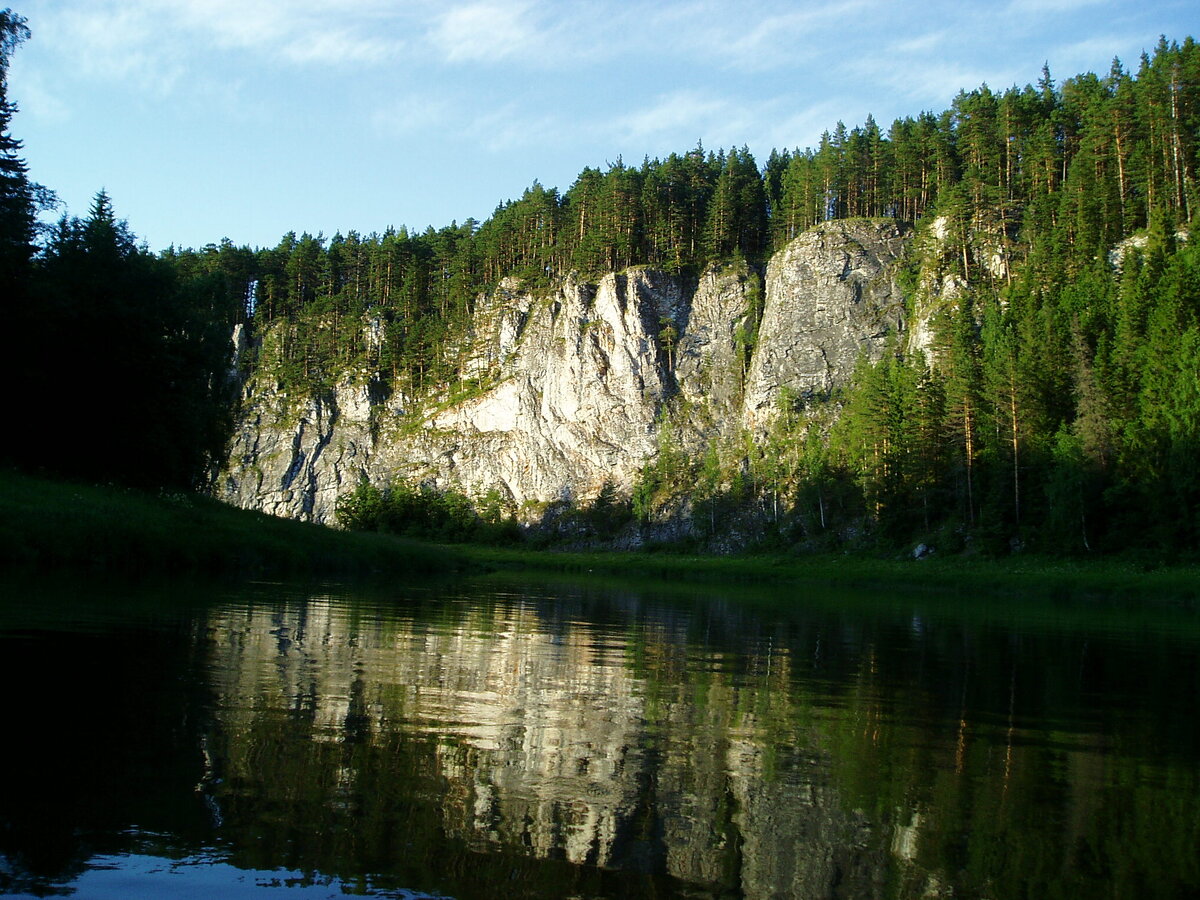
[{"x": 578, "y": 738}]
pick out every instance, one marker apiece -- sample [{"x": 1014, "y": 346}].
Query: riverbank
[
  {"x": 47, "y": 524},
  {"x": 965, "y": 575}
]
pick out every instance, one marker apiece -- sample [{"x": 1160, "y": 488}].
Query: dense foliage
[
  {"x": 421, "y": 511},
  {"x": 48, "y": 526}
]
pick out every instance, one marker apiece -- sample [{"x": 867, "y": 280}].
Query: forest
[{"x": 1060, "y": 409}]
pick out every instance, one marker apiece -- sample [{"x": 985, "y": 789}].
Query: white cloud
[
  {"x": 40, "y": 102},
  {"x": 541, "y": 34},
  {"x": 303, "y": 31},
  {"x": 485, "y": 31},
  {"x": 335, "y": 47},
  {"x": 932, "y": 85},
  {"x": 115, "y": 43},
  {"x": 1094, "y": 55},
  {"x": 922, "y": 44},
  {"x": 676, "y": 121},
  {"x": 159, "y": 40},
  {"x": 751, "y": 36},
  {"x": 263, "y": 25},
  {"x": 779, "y": 39},
  {"x": 670, "y": 115},
  {"x": 788, "y": 126}
]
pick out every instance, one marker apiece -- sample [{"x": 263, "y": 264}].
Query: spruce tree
[{"x": 17, "y": 208}]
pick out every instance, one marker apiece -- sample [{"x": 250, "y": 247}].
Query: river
[{"x": 502, "y": 736}]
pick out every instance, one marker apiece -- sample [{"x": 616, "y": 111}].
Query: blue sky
[{"x": 246, "y": 119}]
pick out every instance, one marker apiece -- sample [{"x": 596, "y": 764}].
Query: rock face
[
  {"x": 831, "y": 297},
  {"x": 571, "y": 384},
  {"x": 579, "y": 389},
  {"x": 294, "y": 459}
]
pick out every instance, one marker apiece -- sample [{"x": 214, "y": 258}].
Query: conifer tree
[{"x": 17, "y": 208}]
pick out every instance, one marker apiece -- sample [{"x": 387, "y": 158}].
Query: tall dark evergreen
[
  {"x": 17, "y": 235},
  {"x": 140, "y": 357},
  {"x": 17, "y": 209},
  {"x": 118, "y": 360}
]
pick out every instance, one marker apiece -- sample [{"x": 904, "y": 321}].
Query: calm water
[{"x": 496, "y": 738}]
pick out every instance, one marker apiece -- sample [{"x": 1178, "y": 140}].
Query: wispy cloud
[
  {"x": 350, "y": 30},
  {"x": 41, "y": 102},
  {"x": 932, "y": 85},
  {"x": 796, "y": 126},
  {"x": 778, "y": 39},
  {"x": 671, "y": 115},
  {"x": 922, "y": 44},
  {"x": 111, "y": 42},
  {"x": 750, "y": 37},
  {"x": 1094, "y": 54},
  {"x": 160, "y": 39},
  {"x": 486, "y": 31},
  {"x": 338, "y": 47},
  {"x": 676, "y": 121},
  {"x": 514, "y": 127}
]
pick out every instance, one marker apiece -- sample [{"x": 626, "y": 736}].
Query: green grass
[
  {"x": 963, "y": 575},
  {"x": 48, "y": 524}
]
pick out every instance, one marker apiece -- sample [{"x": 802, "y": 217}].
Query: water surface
[{"x": 499, "y": 737}]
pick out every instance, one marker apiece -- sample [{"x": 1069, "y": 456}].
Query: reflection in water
[
  {"x": 825, "y": 758},
  {"x": 545, "y": 736},
  {"x": 575, "y": 742}
]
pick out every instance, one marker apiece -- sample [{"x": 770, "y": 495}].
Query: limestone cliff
[
  {"x": 831, "y": 297},
  {"x": 563, "y": 389}
]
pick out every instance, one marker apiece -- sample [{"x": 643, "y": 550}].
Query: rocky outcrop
[
  {"x": 293, "y": 458},
  {"x": 831, "y": 298},
  {"x": 577, "y": 396},
  {"x": 714, "y": 349},
  {"x": 563, "y": 390}
]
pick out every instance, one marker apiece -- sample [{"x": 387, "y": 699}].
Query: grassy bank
[
  {"x": 1101, "y": 577},
  {"x": 48, "y": 524}
]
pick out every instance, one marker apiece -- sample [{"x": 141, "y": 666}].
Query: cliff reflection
[
  {"x": 518, "y": 728},
  {"x": 599, "y": 745}
]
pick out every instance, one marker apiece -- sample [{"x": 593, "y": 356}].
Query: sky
[{"x": 247, "y": 119}]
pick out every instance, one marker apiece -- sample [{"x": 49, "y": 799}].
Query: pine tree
[
  {"x": 960, "y": 369},
  {"x": 737, "y": 210},
  {"x": 17, "y": 208},
  {"x": 151, "y": 348}
]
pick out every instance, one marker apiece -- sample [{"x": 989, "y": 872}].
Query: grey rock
[{"x": 831, "y": 298}]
